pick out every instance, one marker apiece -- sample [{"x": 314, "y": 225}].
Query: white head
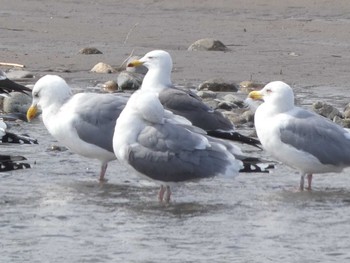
[
  {"x": 276, "y": 93},
  {"x": 48, "y": 90},
  {"x": 160, "y": 65}
]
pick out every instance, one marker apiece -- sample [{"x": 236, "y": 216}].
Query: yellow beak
[
  {"x": 135, "y": 63},
  {"x": 31, "y": 112},
  {"x": 255, "y": 95}
]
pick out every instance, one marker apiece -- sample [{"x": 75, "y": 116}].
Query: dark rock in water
[
  {"x": 90, "y": 51},
  {"x": 207, "y": 44},
  {"x": 129, "y": 80},
  {"x": 326, "y": 110},
  {"x": 17, "y": 103},
  {"x": 218, "y": 85},
  {"x": 102, "y": 68}
]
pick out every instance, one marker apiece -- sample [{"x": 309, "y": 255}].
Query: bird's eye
[
  {"x": 151, "y": 57},
  {"x": 35, "y": 95},
  {"x": 268, "y": 91}
]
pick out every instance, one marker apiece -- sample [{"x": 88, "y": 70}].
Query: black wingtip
[
  {"x": 7, "y": 86},
  {"x": 15, "y": 138},
  {"x": 235, "y": 136},
  {"x": 11, "y": 163},
  {"x": 256, "y": 168}
]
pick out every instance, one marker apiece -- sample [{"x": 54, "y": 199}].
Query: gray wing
[
  {"x": 190, "y": 106},
  {"x": 170, "y": 153},
  {"x": 97, "y": 117},
  {"x": 318, "y": 136}
]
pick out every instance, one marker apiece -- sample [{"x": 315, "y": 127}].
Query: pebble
[
  {"x": 89, "y": 51},
  {"x": 326, "y": 110},
  {"x": 110, "y": 86},
  {"x": 247, "y": 86},
  {"x": 19, "y": 74},
  {"x": 129, "y": 80},
  {"x": 218, "y": 85},
  {"x": 207, "y": 94},
  {"x": 102, "y": 68},
  {"x": 207, "y": 44}
]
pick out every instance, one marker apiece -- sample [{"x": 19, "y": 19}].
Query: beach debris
[
  {"x": 218, "y": 85},
  {"x": 89, "y": 51},
  {"x": 208, "y": 44},
  {"x": 102, "y": 67}
]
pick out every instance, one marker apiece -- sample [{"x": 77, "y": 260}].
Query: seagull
[
  {"x": 83, "y": 122},
  {"x": 183, "y": 102},
  {"x": 166, "y": 148},
  {"x": 7, "y": 85},
  {"x": 297, "y": 137}
]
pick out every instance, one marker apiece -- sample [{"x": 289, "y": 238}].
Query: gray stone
[
  {"x": 89, "y": 51},
  {"x": 207, "y": 94},
  {"x": 233, "y": 99},
  {"x": 218, "y": 85},
  {"x": 326, "y": 110},
  {"x": 102, "y": 68},
  {"x": 19, "y": 74},
  {"x": 129, "y": 80},
  {"x": 110, "y": 86},
  {"x": 207, "y": 44}
]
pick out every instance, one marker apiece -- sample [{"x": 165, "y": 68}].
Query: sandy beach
[{"x": 304, "y": 43}]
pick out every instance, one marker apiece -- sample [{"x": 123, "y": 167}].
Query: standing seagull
[
  {"x": 8, "y": 162},
  {"x": 84, "y": 122},
  {"x": 166, "y": 148},
  {"x": 299, "y": 138},
  {"x": 185, "y": 103}
]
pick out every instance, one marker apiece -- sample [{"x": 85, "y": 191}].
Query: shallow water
[{"x": 58, "y": 212}]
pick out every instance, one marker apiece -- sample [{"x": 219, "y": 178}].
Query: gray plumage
[{"x": 316, "y": 135}]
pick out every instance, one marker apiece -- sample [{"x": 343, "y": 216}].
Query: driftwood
[{"x": 11, "y": 65}]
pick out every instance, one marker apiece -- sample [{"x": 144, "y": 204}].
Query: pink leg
[
  {"x": 161, "y": 193},
  {"x": 309, "y": 181},
  {"x": 103, "y": 171},
  {"x": 302, "y": 178},
  {"x": 168, "y": 194}
]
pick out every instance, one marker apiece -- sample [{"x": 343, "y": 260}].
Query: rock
[
  {"x": 234, "y": 117},
  {"x": 89, "y": 51},
  {"x": 57, "y": 148},
  {"x": 110, "y": 86},
  {"x": 248, "y": 86},
  {"x": 347, "y": 111},
  {"x": 226, "y": 105},
  {"x": 17, "y": 103},
  {"x": 345, "y": 123},
  {"x": 218, "y": 85},
  {"x": 326, "y": 110},
  {"x": 211, "y": 103},
  {"x": 102, "y": 68},
  {"x": 129, "y": 80},
  {"x": 233, "y": 99},
  {"x": 207, "y": 44},
  {"x": 19, "y": 74},
  {"x": 207, "y": 94}
]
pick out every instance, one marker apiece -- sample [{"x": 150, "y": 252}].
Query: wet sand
[{"x": 304, "y": 43}]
